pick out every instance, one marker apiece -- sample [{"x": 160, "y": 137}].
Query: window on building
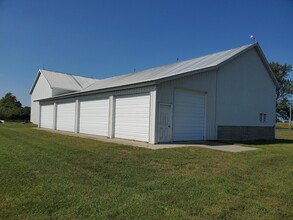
[{"x": 260, "y": 117}]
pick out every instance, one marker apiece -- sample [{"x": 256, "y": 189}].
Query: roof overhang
[
  {"x": 35, "y": 82},
  {"x": 75, "y": 94}
]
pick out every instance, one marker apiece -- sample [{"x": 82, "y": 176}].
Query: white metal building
[
  {"x": 48, "y": 84},
  {"x": 222, "y": 96}
]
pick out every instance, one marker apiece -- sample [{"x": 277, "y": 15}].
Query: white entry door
[
  {"x": 65, "y": 116},
  {"x": 189, "y": 115},
  {"x": 132, "y": 117},
  {"x": 165, "y": 123}
]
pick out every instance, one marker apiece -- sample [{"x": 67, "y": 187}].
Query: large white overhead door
[
  {"x": 189, "y": 116},
  {"x": 132, "y": 117},
  {"x": 47, "y": 116},
  {"x": 65, "y": 116},
  {"x": 94, "y": 117}
]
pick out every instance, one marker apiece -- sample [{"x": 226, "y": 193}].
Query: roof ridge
[
  {"x": 76, "y": 81},
  {"x": 189, "y": 59},
  {"x": 201, "y": 56},
  {"x": 69, "y": 74},
  {"x": 176, "y": 63}
]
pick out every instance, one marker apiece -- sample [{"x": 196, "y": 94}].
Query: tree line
[
  {"x": 11, "y": 109},
  {"x": 284, "y": 91}
]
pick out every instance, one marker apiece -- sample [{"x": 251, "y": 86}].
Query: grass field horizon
[{"x": 46, "y": 175}]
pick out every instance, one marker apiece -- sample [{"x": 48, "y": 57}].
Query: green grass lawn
[{"x": 45, "y": 175}]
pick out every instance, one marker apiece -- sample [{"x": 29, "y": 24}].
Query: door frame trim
[{"x": 171, "y": 121}]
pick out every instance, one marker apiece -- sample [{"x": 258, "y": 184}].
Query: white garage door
[
  {"x": 94, "y": 117},
  {"x": 47, "y": 116},
  {"x": 66, "y": 116},
  {"x": 189, "y": 116},
  {"x": 132, "y": 117}
]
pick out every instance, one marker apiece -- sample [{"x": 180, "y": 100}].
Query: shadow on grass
[
  {"x": 265, "y": 142},
  {"x": 221, "y": 143},
  {"x": 208, "y": 143}
]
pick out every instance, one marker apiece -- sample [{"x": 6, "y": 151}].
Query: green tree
[
  {"x": 285, "y": 91},
  {"x": 25, "y": 113},
  {"x": 11, "y": 108}
]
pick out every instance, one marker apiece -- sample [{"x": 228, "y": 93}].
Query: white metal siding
[
  {"x": 189, "y": 116},
  {"x": 65, "y": 116},
  {"x": 42, "y": 90},
  {"x": 47, "y": 119},
  {"x": 132, "y": 117},
  {"x": 245, "y": 90},
  {"x": 199, "y": 82},
  {"x": 94, "y": 117}
]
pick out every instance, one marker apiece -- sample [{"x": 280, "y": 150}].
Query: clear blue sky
[{"x": 102, "y": 38}]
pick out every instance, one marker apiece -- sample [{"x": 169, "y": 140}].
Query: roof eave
[
  {"x": 76, "y": 94},
  {"x": 189, "y": 73},
  {"x": 35, "y": 82},
  {"x": 267, "y": 65},
  {"x": 70, "y": 90}
]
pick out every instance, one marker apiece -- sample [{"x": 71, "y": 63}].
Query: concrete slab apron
[{"x": 209, "y": 145}]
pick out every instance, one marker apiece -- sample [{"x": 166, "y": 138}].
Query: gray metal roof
[
  {"x": 167, "y": 72},
  {"x": 84, "y": 81},
  {"x": 65, "y": 81},
  {"x": 170, "y": 70}
]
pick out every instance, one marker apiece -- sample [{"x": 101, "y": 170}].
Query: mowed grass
[{"x": 51, "y": 176}]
